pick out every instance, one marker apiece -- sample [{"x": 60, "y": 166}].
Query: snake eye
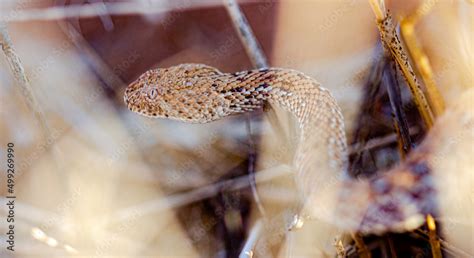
[{"x": 152, "y": 93}]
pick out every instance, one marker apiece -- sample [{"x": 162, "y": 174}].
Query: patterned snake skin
[{"x": 199, "y": 94}]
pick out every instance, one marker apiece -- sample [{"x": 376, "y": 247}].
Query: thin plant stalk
[
  {"x": 421, "y": 61},
  {"x": 258, "y": 59},
  {"x": 433, "y": 237},
  {"x": 22, "y": 80},
  {"x": 392, "y": 44},
  {"x": 247, "y": 250},
  {"x": 246, "y": 35},
  {"x": 400, "y": 121}
]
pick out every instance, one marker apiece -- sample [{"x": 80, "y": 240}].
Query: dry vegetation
[{"x": 93, "y": 179}]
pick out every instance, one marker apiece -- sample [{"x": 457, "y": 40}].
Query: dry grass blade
[
  {"x": 434, "y": 241},
  {"x": 198, "y": 194},
  {"x": 18, "y": 72},
  {"x": 446, "y": 247},
  {"x": 378, "y": 6},
  {"x": 99, "y": 9},
  {"x": 378, "y": 142},
  {"x": 258, "y": 59},
  {"x": 252, "y": 47},
  {"x": 392, "y": 44},
  {"x": 95, "y": 61},
  {"x": 422, "y": 63},
  {"x": 251, "y": 240},
  {"x": 400, "y": 121}
]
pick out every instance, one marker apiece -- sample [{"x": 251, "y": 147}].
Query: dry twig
[
  {"x": 422, "y": 63},
  {"x": 259, "y": 60},
  {"x": 247, "y": 37},
  {"x": 392, "y": 45},
  {"x": 18, "y": 72},
  {"x": 99, "y": 9}
]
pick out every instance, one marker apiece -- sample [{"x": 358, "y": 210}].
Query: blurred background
[{"x": 94, "y": 179}]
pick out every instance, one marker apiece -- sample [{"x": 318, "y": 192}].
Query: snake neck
[{"x": 320, "y": 158}]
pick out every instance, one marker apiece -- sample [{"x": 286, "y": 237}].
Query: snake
[{"x": 198, "y": 93}]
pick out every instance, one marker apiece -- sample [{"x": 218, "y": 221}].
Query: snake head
[{"x": 184, "y": 92}]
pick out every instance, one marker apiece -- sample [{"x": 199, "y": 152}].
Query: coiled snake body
[{"x": 198, "y": 93}]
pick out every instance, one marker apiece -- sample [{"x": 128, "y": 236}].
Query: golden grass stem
[
  {"x": 378, "y": 7},
  {"x": 422, "y": 63},
  {"x": 433, "y": 236},
  {"x": 392, "y": 44}
]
